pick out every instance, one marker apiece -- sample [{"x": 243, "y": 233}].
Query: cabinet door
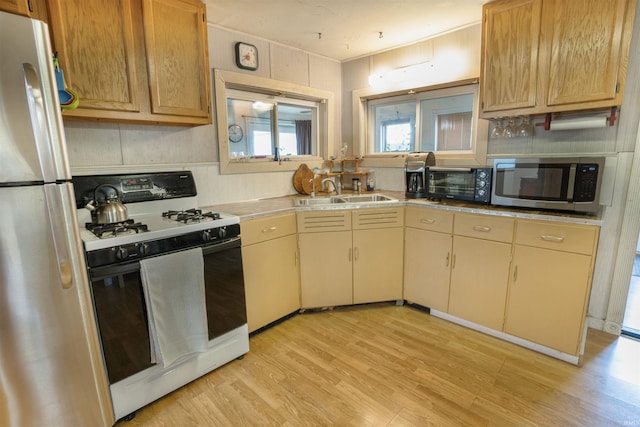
[
  {"x": 427, "y": 266},
  {"x": 479, "y": 276},
  {"x": 377, "y": 264},
  {"x": 509, "y": 69},
  {"x": 548, "y": 296},
  {"x": 586, "y": 49},
  {"x": 177, "y": 57},
  {"x": 20, "y": 7},
  {"x": 271, "y": 280},
  {"x": 96, "y": 44},
  {"x": 325, "y": 269}
]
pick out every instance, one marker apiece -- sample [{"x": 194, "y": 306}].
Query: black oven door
[
  {"x": 122, "y": 319},
  {"x": 224, "y": 287}
]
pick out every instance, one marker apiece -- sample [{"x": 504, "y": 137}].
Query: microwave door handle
[{"x": 572, "y": 181}]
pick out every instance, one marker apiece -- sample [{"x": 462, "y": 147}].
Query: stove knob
[
  {"x": 207, "y": 235},
  {"x": 222, "y": 232},
  {"x": 122, "y": 253},
  {"x": 143, "y": 249}
]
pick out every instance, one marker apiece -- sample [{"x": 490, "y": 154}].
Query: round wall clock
[
  {"x": 246, "y": 56},
  {"x": 235, "y": 133}
]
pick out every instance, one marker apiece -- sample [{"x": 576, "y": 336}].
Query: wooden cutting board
[
  {"x": 302, "y": 180},
  {"x": 298, "y": 175}
]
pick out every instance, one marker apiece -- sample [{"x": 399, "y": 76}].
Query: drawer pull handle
[
  {"x": 515, "y": 273},
  {"x": 427, "y": 221},
  {"x": 554, "y": 239},
  {"x": 453, "y": 262},
  {"x": 448, "y": 256},
  {"x": 482, "y": 228},
  {"x": 270, "y": 229},
  {"x": 356, "y": 253}
]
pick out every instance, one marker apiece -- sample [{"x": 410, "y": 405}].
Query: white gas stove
[{"x": 167, "y": 284}]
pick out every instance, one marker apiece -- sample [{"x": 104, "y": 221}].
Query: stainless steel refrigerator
[{"x": 51, "y": 369}]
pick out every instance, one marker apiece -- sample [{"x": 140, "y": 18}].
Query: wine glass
[
  {"x": 510, "y": 129},
  {"x": 497, "y": 130},
  {"x": 525, "y": 129}
]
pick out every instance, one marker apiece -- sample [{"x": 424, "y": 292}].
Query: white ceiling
[{"x": 344, "y": 29}]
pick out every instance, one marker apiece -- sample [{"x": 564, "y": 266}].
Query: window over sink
[
  {"x": 443, "y": 119},
  {"x": 266, "y": 125}
]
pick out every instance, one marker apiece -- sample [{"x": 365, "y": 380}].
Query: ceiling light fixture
[{"x": 380, "y": 35}]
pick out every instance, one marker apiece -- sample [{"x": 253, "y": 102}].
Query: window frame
[
  {"x": 224, "y": 80},
  {"x": 362, "y": 127}
]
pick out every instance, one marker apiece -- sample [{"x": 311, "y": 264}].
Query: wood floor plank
[{"x": 387, "y": 365}]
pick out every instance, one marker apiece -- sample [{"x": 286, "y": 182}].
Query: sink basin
[
  {"x": 312, "y": 201},
  {"x": 365, "y": 198}
]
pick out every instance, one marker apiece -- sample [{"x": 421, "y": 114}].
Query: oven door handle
[
  {"x": 100, "y": 273},
  {"x": 219, "y": 247}
]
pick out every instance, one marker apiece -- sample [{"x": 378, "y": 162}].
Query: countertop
[{"x": 250, "y": 209}]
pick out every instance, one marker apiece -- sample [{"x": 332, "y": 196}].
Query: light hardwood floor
[{"x": 384, "y": 365}]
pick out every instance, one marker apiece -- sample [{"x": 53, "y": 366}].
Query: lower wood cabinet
[
  {"x": 550, "y": 282},
  {"x": 427, "y": 257},
  {"x": 325, "y": 269},
  {"x": 480, "y": 268},
  {"x": 350, "y": 257},
  {"x": 527, "y": 278},
  {"x": 270, "y": 262}
]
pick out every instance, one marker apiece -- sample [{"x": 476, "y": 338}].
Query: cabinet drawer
[
  {"x": 484, "y": 227},
  {"x": 271, "y": 227},
  {"x": 580, "y": 239},
  {"x": 377, "y": 218},
  {"x": 429, "y": 219},
  {"x": 321, "y": 221}
]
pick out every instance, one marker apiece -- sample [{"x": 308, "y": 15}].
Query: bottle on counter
[{"x": 371, "y": 182}]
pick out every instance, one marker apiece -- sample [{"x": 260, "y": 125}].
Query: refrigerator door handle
[
  {"x": 37, "y": 111},
  {"x": 59, "y": 234}
]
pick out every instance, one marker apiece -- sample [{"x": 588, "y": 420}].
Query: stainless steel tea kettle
[{"x": 112, "y": 210}]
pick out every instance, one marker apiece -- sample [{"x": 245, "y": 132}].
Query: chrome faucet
[{"x": 336, "y": 188}]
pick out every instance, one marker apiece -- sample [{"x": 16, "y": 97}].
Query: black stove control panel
[{"x": 133, "y": 188}]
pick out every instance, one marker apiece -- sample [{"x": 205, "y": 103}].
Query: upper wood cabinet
[
  {"x": 142, "y": 61},
  {"x": 510, "y": 54},
  {"x": 541, "y": 56},
  {"x": 20, "y": 7}
]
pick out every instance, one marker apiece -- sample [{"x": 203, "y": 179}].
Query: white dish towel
[{"x": 174, "y": 292}]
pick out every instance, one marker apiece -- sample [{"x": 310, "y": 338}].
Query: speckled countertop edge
[{"x": 251, "y": 209}]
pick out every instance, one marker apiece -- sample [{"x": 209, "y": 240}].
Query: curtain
[{"x": 303, "y": 136}]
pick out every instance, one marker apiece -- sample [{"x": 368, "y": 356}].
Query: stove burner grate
[
  {"x": 190, "y": 215},
  {"x": 116, "y": 228}
]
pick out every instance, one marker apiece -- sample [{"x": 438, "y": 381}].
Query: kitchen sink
[
  {"x": 312, "y": 201},
  {"x": 368, "y": 198}
]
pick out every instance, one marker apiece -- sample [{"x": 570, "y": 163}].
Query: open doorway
[{"x": 631, "y": 321}]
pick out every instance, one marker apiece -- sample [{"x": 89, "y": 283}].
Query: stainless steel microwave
[
  {"x": 458, "y": 183},
  {"x": 567, "y": 184}
]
